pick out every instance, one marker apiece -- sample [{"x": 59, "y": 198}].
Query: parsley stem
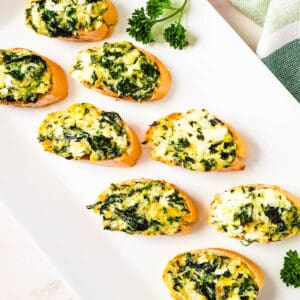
[
  {"x": 181, "y": 13},
  {"x": 178, "y": 10}
]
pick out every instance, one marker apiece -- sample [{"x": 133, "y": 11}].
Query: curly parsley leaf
[
  {"x": 175, "y": 35},
  {"x": 140, "y": 26},
  {"x": 141, "y": 22},
  {"x": 155, "y": 8},
  {"x": 290, "y": 272}
]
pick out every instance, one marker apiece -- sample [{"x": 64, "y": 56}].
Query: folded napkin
[{"x": 279, "y": 45}]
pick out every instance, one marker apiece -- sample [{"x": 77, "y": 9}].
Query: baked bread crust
[
  {"x": 58, "y": 91},
  {"x": 242, "y": 150}
]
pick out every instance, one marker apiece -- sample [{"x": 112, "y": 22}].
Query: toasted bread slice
[
  {"x": 196, "y": 140},
  {"x": 43, "y": 81},
  {"x": 256, "y": 213},
  {"x": 145, "y": 206},
  {"x": 213, "y": 273},
  {"x": 84, "y": 22},
  {"x": 84, "y": 132},
  {"x": 122, "y": 70}
]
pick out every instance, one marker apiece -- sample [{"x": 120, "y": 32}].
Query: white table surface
[{"x": 25, "y": 273}]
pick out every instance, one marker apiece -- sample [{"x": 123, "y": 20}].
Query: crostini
[
  {"x": 122, "y": 70},
  {"x": 85, "y": 132},
  {"x": 145, "y": 206},
  {"x": 84, "y": 20},
  {"x": 213, "y": 273},
  {"x": 196, "y": 140},
  {"x": 256, "y": 213},
  {"x": 29, "y": 79}
]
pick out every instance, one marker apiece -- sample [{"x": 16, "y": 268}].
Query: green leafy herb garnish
[
  {"x": 290, "y": 273},
  {"x": 143, "y": 20}
]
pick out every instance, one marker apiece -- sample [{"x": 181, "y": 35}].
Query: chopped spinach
[
  {"x": 213, "y": 148},
  {"x": 29, "y": 75},
  {"x": 208, "y": 289},
  {"x": 208, "y": 164},
  {"x": 91, "y": 133},
  {"x": 273, "y": 213},
  {"x": 104, "y": 146},
  {"x": 126, "y": 208},
  {"x": 182, "y": 143},
  {"x": 127, "y": 87},
  {"x": 65, "y": 22},
  {"x": 200, "y": 135},
  {"x": 109, "y": 200},
  {"x": 203, "y": 275},
  {"x": 244, "y": 215},
  {"x": 124, "y": 70},
  {"x": 175, "y": 199},
  {"x": 134, "y": 221},
  {"x": 247, "y": 285},
  {"x": 194, "y": 146},
  {"x": 214, "y": 122},
  {"x": 110, "y": 116}
]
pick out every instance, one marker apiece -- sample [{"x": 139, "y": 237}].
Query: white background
[{"x": 47, "y": 195}]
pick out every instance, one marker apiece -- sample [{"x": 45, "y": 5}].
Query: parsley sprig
[
  {"x": 143, "y": 20},
  {"x": 290, "y": 273}
]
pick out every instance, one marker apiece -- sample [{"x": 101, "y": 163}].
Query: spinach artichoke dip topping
[
  {"x": 210, "y": 277},
  {"x": 255, "y": 214},
  {"x": 24, "y": 76},
  {"x": 119, "y": 68},
  {"x": 195, "y": 140},
  {"x": 147, "y": 207},
  {"x": 83, "y": 131},
  {"x": 65, "y": 18}
]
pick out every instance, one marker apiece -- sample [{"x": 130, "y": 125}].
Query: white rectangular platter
[{"x": 48, "y": 194}]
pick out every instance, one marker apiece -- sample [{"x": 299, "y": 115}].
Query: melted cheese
[
  {"x": 84, "y": 131},
  {"x": 24, "y": 76},
  {"x": 208, "y": 276},
  {"x": 119, "y": 68},
  {"x": 65, "y": 18},
  {"x": 145, "y": 206},
  {"x": 255, "y": 214},
  {"x": 195, "y": 140}
]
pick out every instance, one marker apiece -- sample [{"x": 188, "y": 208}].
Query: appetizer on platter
[
  {"x": 213, "y": 273},
  {"x": 73, "y": 20},
  {"x": 122, "y": 70},
  {"x": 256, "y": 213},
  {"x": 29, "y": 79},
  {"x": 84, "y": 132},
  {"x": 196, "y": 140},
  {"x": 145, "y": 206}
]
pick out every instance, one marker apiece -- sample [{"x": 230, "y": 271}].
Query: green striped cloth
[{"x": 279, "y": 45}]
